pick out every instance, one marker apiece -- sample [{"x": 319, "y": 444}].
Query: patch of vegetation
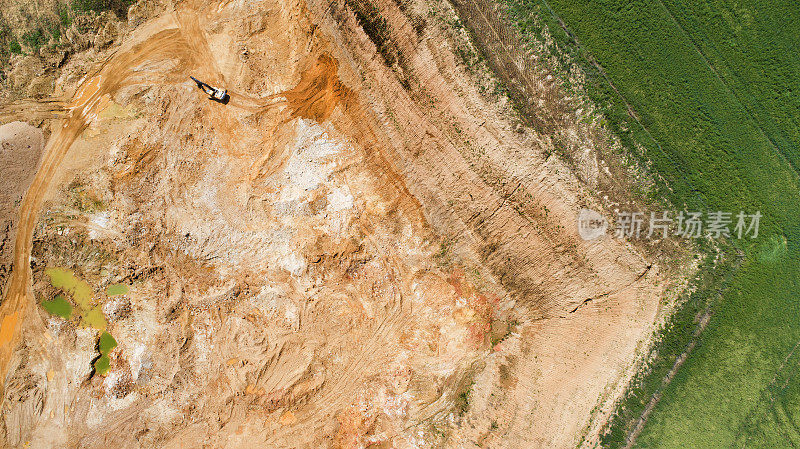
[
  {"x": 53, "y": 29},
  {"x": 36, "y": 33},
  {"x": 463, "y": 391},
  {"x": 37, "y": 25},
  {"x": 462, "y": 402},
  {"x": 64, "y": 15},
  {"x": 378, "y": 30},
  {"x": 118, "y": 7},
  {"x": 34, "y": 39},
  {"x": 14, "y": 47},
  {"x": 704, "y": 93}
]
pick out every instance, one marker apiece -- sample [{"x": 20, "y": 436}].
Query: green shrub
[
  {"x": 118, "y": 7},
  {"x": 53, "y": 28},
  {"x": 64, "y": 15},
  {"x": 34, "y": 39},
  {"x": 15, "y": 47}
]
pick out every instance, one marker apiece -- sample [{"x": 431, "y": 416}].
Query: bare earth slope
[
  {"x": 20, "y": 148},
  {"x": 359, "y": 249}
]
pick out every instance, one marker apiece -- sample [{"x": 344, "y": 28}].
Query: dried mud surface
[{"x": 360, "y": 249}]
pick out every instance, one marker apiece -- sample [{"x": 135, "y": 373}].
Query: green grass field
[{"x": 716, "y": 89}]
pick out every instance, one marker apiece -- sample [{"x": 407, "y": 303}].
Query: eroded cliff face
[{"x": 359, "y": 249}]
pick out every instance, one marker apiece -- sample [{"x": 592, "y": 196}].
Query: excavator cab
[{"x": 218, "y": 95}]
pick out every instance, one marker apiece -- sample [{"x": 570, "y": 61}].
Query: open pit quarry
[{"x": 363, "y": 248}]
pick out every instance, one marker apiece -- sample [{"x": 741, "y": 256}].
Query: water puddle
[
  {"x": 105, "y": 344},
  {"x": 66, "y": 280},
  {"x": 58, "y": 306},
  {"x": 91, "y": 315},
  {"x": 116, "y": 289}
]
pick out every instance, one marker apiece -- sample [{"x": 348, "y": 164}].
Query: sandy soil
[
  {"x": 360, "y": 249},
  {"x": 20, "y": 148}
]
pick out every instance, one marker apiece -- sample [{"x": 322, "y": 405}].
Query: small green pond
[
  {"x": 81, "y": 293},
  {"x": 102, "y": 365},
  {"x": 58, "y": 306},
  {"x": 116, "y": 289},
  {"x": 105, "y": 344}
]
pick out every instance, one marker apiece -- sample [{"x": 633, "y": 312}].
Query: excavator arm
[{"x": 218, "y": 95}]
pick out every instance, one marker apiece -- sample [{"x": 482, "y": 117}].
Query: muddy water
[
  {"x": 116, "y": 289},
  {"x": 66, "y": 280},
  {"x": 81, "y": 293}
]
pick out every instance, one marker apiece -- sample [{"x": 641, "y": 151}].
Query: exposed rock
[
  {"x": 24, "y": 70},
  {"x": 53, "y": 57},
  {"x": 140, "y": 11},
  {"x": 108, "y": 30},
  {"x": 41, "y": 86}
]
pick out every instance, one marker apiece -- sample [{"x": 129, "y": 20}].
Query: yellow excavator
[{"x": 218, "y": 95}]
